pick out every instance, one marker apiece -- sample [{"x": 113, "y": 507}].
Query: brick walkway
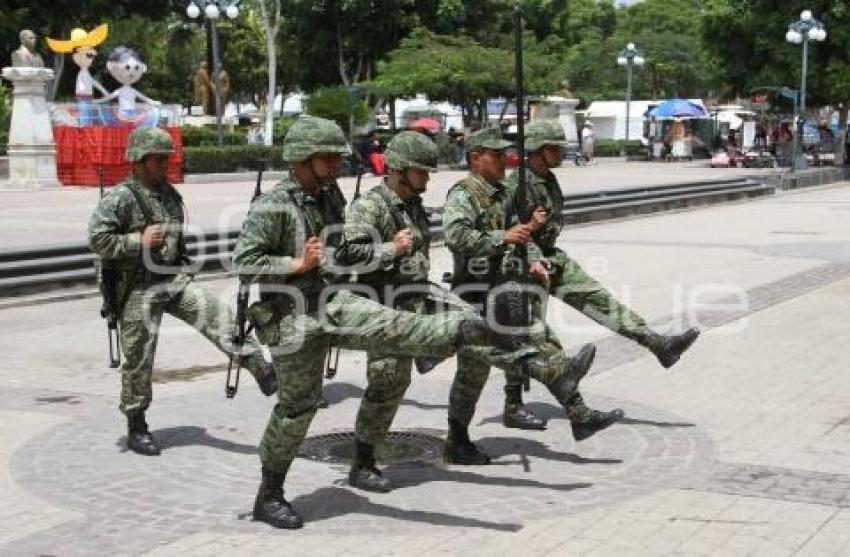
[{"x": 743, "y": 447}]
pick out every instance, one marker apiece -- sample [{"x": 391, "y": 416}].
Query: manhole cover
[{"x": 400, "y": 446}]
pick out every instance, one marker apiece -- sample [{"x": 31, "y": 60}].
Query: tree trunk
[{"x": 271, "y": 24}]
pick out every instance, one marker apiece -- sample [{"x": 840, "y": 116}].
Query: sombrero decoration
[{"x": 80, "y": 38}]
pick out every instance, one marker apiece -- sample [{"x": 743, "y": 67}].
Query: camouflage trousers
[
  {"x": 388, "y": 377},
  {"x": 347, "y": 321},
  {"x": 572, "y": 285},
  {"x": 139, "y": 327},
  {"x": 473, "y": 369}
]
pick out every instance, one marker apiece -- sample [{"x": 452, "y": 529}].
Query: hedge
[
  {"x": 199, "y": 137},
  {"x": 203, "y": 160},
  {"x": 613, "y": 147}
]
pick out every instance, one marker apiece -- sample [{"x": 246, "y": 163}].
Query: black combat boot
[
  {"x": 268, "y": 381},
  {"x": 364, "y": 474},
  {"x": 668, "y": 349},
  {"x": 139, "y": 439},
  {"x": 459, "y": 449},
  {"x": 516, "y": 415},
  {"x": 586, "y": 421},
  {"x": 566, "y": 385},
  {"x": 271, "y": 507}
]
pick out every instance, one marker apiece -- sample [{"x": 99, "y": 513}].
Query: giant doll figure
[
  {"x": 81, "y": 47},
  {"x": 126, "y": 66}
]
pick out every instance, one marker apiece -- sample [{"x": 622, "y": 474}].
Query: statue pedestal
[{"x": 32, "y": 152}]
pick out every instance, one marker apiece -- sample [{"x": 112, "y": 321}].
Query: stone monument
[{"x": 32, "y": 152}]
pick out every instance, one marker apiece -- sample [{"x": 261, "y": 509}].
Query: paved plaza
[
  {"x": 741, "y": 448},
  {"x": 45, "y": 217}
]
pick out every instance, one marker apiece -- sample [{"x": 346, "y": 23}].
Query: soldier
[
  {"x": 474, "y": 222},
  {"x": 301, "y": 311},
  {"x": 140, "y": 224},
  {"x": 386, "y": 239},
  {"x": 566, "y": 280}
]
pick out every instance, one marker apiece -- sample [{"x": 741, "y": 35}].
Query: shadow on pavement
[
  {"x": 182, "y": 436},
  {"x": 337, "y": 392},
  {"x": 542, "y": 409},
  {"x": 637, "y": 421},
  {"x": 550, "y": 412},
  {"x": 332, "y": 502},
  {"x": 498, "y": 447},
  {"x": 411, "y": 475}
]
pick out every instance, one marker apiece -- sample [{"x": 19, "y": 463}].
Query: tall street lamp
[
  {"x": 212, "y": 10},
  {"x": 806, "y": 29},
  {"x": 628, "y": 57}
]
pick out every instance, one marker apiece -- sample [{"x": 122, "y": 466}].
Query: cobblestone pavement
[{"x": 742, "y": 448}]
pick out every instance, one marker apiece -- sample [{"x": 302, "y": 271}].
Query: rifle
[
  {"x": 511, "y": 306},
  {"x": 242, "y": 297},
  {"x": 108, "y": 279}
]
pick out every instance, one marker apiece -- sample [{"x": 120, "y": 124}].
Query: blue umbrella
[{"x": 678, "y": 108}]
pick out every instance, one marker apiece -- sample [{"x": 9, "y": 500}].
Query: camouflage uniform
[
  {"x": 474, "y": 224},
  {"x": 159, "y": 279},
  {"x": 300, "y": 315},
  {"x": 568, "y": 281},
  {"x": 371, "y": 224}
]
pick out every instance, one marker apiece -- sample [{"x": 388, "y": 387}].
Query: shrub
[
  {"x": 613, "y": 147},
  {"x": 199, "y": 137},
  {"x": 203, "y": 160}
]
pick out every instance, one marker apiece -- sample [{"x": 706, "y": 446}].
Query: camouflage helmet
[
  {"x": 148, "y": 141},
  {"x": 310, "y": 135},
  {"x": 540, "y": 133},
  {"x": 411, "y": 149},
  {"x": 487, "y": 138}
]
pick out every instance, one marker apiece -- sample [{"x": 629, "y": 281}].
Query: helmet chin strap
[{"x": 404, "y": 181}]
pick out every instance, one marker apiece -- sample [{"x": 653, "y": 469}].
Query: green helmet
[
  {"x": 411, "y": 150},
  {"x": 148, "y": 141},
  {"x": 310, "y": 135},
  {"x": 540, "y": 133},
  {"x": 486, "y": 138}
]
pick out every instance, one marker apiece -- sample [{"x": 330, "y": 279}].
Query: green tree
[
  {"x": 343, "y": 105},
  {"x": 748, "y": 39},
  {"x": 664, "y": 31},
  {"x": 460, "y": 70}
]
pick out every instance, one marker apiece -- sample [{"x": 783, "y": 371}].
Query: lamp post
[
  {"x": 628, "y": 57},
  {"x": 806, "y": 29},
  {"x": 212, "y": 10}
]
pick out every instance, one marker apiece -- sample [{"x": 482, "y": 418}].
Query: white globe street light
[
  {"x": 193, "y": 11},
  {"x": 801, "y": 32},
  {"x": 628, "y": 57},
  {"x": 213, "y": 9}
]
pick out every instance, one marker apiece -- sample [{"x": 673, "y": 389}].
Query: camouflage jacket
[
  {"x": 276, "y": 228},
  {"x": 370, "y": 226},
  {"x": 474, "y": 218},
  {"x": 115, "y": 229},
  {"x": 543, "y": 191}
]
